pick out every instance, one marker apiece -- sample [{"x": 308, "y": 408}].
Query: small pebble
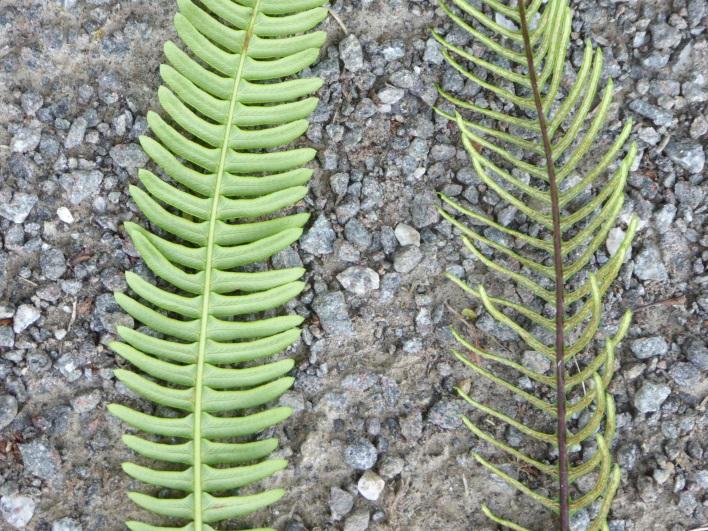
[
  {"x": 371, "y": 485},
  {"x": 649, "y": 347},
  {"x": 360, "y": 454},
  {"x": 359, "y": 280},
  {"x": 340, "y": 502},
  {"x": 65, "y": 215},
  {"x": 25, "y": 316},
  {"x": 8, "y": 410},
  {"x": 17, "y": 510},
  {"x": 407, "y": 258},
  {"x": 407, "y": 235},
  {"x": 650, "y": 397},
  {"x": 359, "y": 521},
  {"x": 351, "y": 52}
]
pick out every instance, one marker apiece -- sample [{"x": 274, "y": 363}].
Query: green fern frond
[
  {"x": 525, "y": 147},
  {"x": 226, "y": 111}
]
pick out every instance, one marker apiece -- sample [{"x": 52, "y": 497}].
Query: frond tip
[
  {"x": 222, "y": 172},
  {"x": 525, "y": 147}
]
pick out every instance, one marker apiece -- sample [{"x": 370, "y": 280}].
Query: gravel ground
[{"x": 375, "y": 442}]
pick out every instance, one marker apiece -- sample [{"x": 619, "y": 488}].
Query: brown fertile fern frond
[{"x": 531, "y": 147}]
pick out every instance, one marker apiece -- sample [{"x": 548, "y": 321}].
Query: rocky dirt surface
[{"x": 376, "y": 442}]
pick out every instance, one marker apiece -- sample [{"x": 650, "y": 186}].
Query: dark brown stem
[{"x": 564, "y": 493}]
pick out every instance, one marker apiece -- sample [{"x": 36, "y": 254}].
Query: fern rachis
[
  {"x": 544, "y": 141},
  {"x": 220, "y": 167}
]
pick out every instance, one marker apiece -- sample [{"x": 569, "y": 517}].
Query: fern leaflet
[
  {"x": 227, "y": 112},
  {"x": 530, "y": 148}
]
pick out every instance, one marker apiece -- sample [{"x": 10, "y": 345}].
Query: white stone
[
  {"x": 17, "y": 510},
  {"x": 24, "y": 317},
  {"x": 391, "y": 95},
  {"x": 65, "y": 215},
  {"x": 614, "y": 240},
  {"x": 371, "y": 485},
  {"x": 66, "y": 524},
  {"x": 359, "y": 280}
]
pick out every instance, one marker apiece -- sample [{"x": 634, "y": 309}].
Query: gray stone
[
  {"x": 648, "y": 265},
  {"x": 340, "y": 502},
  {"x": 389, "y": 242},
  {"x": 86, "y": 402},
  {"x": 699, "y": 127},
  {"x": 536, "y": 361},
  {"x": 359, "y": 280},
  {"x": 391, "y": 95},
  {"x": 359, "y": 521},
  {"x": 26, "y": 139},
  {"x": 664, "y": 36},
  {"x": 697, "y": 353},
  {"x": 689, "y": 195},
  {"x": 31, "y": 102},
  {"x": 432, "y": 52},
  {"x": 695, "y": 91},
  {"x": 81, "y": 184},
  {"x": 76, "y": 133},
  {"x": 656, "y": 60},
  {"x": 351, "y": 52},
  {"x": 346, "y": 252},
  {"x": 320, "y": 238},
  {"x": 39, "y": 460},
  {"x": 446, "y": 414},
  {"x": 650, "y": 135},
  {"x": 331, "y": 308},
  {"x": 18, "y": 208},
  {"x": 664, "y": 217},
  {"x": 580, "y": 521},
  {"x": 393, "y": 50},
  {"x": 656, "y": 114},
  {"x": 287, "y": 258},
  {"x": 407, "y": 258},
  {"x": 66, "y": 524},
  {"x": 614, "y": 240},
  {"x": 443, "y": 152},
  {"x": 650, "y": 397},
  {"x": 371, "y": 485},
  {"x": 339, "y": 183},
  {"x": 294, "y": 525},
  {"x": 129, "y": 156},
  {"x": 486, "y": 323},
  {"x": 17, "y": 510},
  {"x": 649, "y": 347},
  {"x": 360, "y": 454},
  {"x": 407, "y": 235},
  {"x": 412, "y": 425},
  {"x": 25, "y": 316},
  {"x": 689, "y": 155},
  {"x": 357, "y": 234},
  {"x": 685, "y": 374},
  {"x": 391, "y": 467},
  {"x": 366, "y": 108},
  {"x": 8, "y": 410},
  {"x": 701, "y": 477},
  {"x": 53, "y": 263},
  {"x": 424, "y": 211},
  {"x": 7, "y": 336}
]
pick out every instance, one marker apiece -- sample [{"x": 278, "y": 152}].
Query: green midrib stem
[
  {"x": 204, "y": 332},
  {"x": 563, "y": 479}
]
